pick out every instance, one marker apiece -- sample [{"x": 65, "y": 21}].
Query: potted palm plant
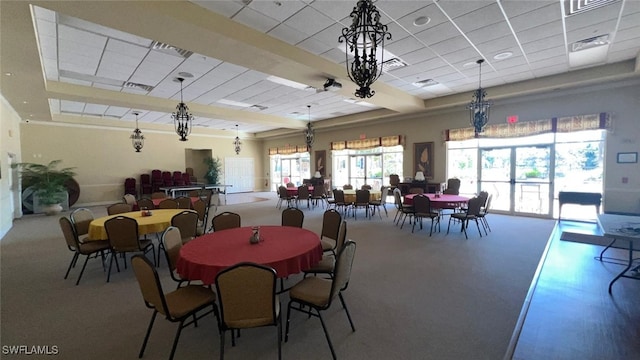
[{"x": 47, "y": 182}]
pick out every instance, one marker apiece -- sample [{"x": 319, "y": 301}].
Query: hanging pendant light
[
  {"x": 237, "y": 142},
  {"x": 479, "y": 107},
  {"x": 364, "y": 39},
  {"x": 309, "y": 132},
  {"x": 137, "y": 139},
  {"x": 182, "y": 118}
]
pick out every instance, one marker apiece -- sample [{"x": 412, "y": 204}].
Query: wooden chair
[
  {"x": 292, "y": 217},
  {"x": 313, "y": 294},
  {"x": 453, "y": 187},
  {"x": 248, "y": 299},
  {"x": 89, "y": 249},
  {"x": 319, "y": 196},
  {"x": 177, "y": 306}
]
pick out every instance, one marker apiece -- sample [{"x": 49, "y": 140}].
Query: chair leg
[
  {"x": 113, "y": 255},
  {"x": 222, "y": 344},
  {"x": 286, "y": 331},
  {"x": 146, "y": 337},
  {"x": 86, "y": 259},
  {"x": 279, "y": 329},
  {"x": 73, "y": 260},
  {"x": 344, "y": 305},
  {"x": 326, "y": 334},
  {"x": 175, "y": 340},
  {"x": 478, "y": 226}
]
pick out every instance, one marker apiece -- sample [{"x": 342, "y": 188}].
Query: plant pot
[{"x": 52, "y": 209}]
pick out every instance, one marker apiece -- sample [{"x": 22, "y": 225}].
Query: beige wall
[
  {"x": 621, "y": 102},
  {"x": 9, "y": 144},
  {"x": 104, "y": 157}
]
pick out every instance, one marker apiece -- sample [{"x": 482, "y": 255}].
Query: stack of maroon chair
[
  {"x": 167, "y": 179},
  {"x": 186, "y": 178},
  {"x": 130, "y": 186},
  {"x": 177, "y": 178},
  {"x": 156, "y": 180},
  {"x": 145, "y": 184}
]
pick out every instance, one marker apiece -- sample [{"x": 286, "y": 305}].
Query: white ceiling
[{"x": 100, "y": 65}]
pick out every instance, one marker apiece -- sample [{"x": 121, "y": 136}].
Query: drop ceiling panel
[
  {"x": 255, "y": 20},
  {"x": 404, "y": 46},
  {"x": 314, "y": 46},
  {"x": 287, "y": 34},
  {"x": 537, "y": 17},
  {"x": 431, "y": 11},
  {"x": 516, "y": 8},
  {"x": 457, "y": 43},
  {"x": 438, "y": 33},
  {"x": 336, "y": 10},
  {"x": 540, "y": 32},
  {"x": 491, "y": 32},
  {"x": 457, "y": 8},
  {"x": 489, "y": 14},
  {"x": 278, "y": 10},
  {"x": 309, "y": 21}
]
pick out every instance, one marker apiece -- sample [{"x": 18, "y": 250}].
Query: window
[{"x": 370, "y": 166}]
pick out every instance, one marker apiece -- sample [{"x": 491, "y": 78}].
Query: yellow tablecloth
[
  {"x": 157, "y": 222},
  {"x": 350, "y": 195}
]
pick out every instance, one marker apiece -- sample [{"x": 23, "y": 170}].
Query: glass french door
[
  {"x": 365, "y": 169},
  {"x": 519, "y": 178}
]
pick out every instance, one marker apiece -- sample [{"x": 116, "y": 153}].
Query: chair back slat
[
  {"x": 172, "y": 242},
  {"x": 119, "y": 208},
  {"x": 168, "y": 204}
]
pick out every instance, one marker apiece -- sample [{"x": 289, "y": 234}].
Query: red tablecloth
[
  {"x": 292, "y": 191},
  {"x": 444, "y": 201},
  {"x": 289, "y": 250}
]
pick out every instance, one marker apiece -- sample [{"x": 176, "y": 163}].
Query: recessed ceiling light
[
  {"x": 470, "y": 63},
  {"x": 25, "y": 102},
  {"x": 421, "y": 21},
  {"x": 504, "y": 55},
  {"x": 185, "y": 74},
  {"x": 8, "y": 73}
]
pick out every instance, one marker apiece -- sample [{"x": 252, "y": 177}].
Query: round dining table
[
  {"x": 288, "y": 250},
  {"x": 159, "y": 220}
]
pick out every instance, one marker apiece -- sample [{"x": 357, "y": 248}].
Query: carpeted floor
[
  {"x": 592, "y": 239},
  {"x": 411, "y": 296}
]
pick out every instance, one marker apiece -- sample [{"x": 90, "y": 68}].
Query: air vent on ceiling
[
  {"x": 259, "y": 107},
  {"x": 393, "y": 64},
  {"x": 144, "y": 87},
  {"x": 590, "y": 43},
  {"x": 425, "y": 83},
  {"x": 573, "y": 7},
  {"x": 170, "y": 49}
]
